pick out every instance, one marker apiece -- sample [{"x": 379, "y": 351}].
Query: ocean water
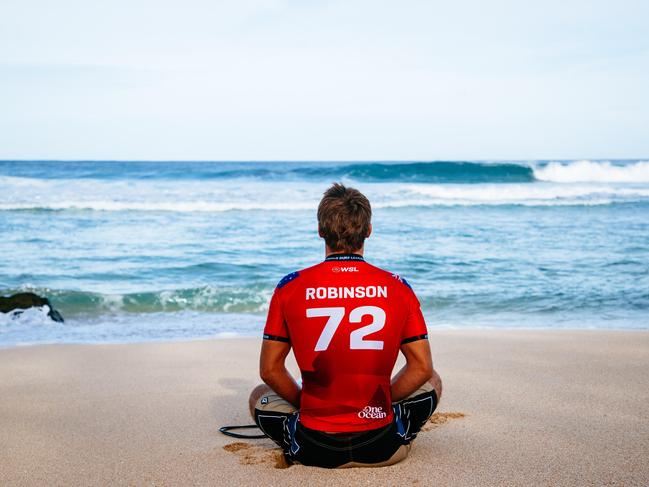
[{"x": 136, "y": 251}]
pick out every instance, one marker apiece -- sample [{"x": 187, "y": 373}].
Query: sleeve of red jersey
[
  {"x": 415, "y": 326},
  {"x": 275, "y": 328}
]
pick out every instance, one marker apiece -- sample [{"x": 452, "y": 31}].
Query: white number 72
[{"x": 356, "y": 337}]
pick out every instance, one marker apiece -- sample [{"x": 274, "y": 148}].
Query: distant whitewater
[
  {"x": 166, "y": 250},
  {"x": 215, "y": 187}
]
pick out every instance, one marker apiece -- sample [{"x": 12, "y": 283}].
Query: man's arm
[
  {"x": 273, "y": 371},
  {"x": 418, "y": 369}
]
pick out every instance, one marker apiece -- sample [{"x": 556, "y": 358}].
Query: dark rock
[{"x": 28, "y": 300}]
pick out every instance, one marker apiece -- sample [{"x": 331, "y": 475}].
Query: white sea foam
[
  {"x": 36, "y": 316},
  {"x": 404, "y": 196},
  {"x": 523, "y": 194},
  {"x": 589, "y": 171},
  {"x": 177, "y": 206},
  {"x": 131, "y": 327},
  {"x": 8, "y": 181}
]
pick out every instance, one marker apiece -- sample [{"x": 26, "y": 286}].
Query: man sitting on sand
[{"x": 346, "y": 321}]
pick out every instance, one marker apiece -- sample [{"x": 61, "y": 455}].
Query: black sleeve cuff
[
  {"x": 276, "y": 338},
  {"x": 414, "y": 339}
]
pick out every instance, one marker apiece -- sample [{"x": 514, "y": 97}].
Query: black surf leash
[{"x": 227, "y": 430}]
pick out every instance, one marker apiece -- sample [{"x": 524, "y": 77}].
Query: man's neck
[{"x": 329, "y": 252}]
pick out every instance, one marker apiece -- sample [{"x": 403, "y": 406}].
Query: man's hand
[
  {"x": 273, "y": 371},
  {"x": 418, "y": 369}
]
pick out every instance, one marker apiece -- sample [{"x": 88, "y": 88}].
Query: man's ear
[
  {"x": 320, "y": 232},
  {"x": 369, "y": 231}
]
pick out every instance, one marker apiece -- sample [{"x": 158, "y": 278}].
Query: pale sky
[{"x": 324, "y": 80}]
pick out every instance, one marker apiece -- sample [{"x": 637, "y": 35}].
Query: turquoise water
[{"x": 132, "y": 251}]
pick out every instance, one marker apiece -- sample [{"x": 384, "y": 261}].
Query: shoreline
[
  {"x": 234, "y": 336},
  {"x": 520, "y": 407}
]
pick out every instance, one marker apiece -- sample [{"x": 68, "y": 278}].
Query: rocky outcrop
[{"x": 24, "y": 301}]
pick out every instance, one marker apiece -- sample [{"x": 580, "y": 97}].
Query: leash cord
[{"x": 226, "y": 430}]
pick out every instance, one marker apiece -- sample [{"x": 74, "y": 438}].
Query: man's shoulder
[
  {"x": 287, "y": 278},
  {"x": 391, "y": 276},
  {"x": 295, "y": 275}
]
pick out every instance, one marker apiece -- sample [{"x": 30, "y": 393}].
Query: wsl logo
[
  {"x": 371, "y": 412},
  {"x": 344, "y": 269}
]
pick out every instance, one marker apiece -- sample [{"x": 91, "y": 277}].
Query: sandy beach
[{"x": 519, "y": 408}]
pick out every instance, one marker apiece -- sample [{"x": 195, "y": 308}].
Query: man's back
[{"x": 346, "y": 321}]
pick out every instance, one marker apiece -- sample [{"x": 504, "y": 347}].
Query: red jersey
[{"x": 346, "y": 321}]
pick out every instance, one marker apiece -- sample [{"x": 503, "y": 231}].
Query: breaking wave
[
  {"x": 593, "y": 172},
  {"x": 251, "y": 299},
  {"x": 22, "y": 173},
  {"x": 422, "y": 172}
]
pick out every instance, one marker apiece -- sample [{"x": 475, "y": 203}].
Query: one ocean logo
[{"x": 372, "y": 412}]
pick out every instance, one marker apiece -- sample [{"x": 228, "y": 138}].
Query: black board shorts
[{"x": 384, "y": 446}]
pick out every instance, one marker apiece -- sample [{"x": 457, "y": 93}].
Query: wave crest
[{"x": 593, "y": 172}]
